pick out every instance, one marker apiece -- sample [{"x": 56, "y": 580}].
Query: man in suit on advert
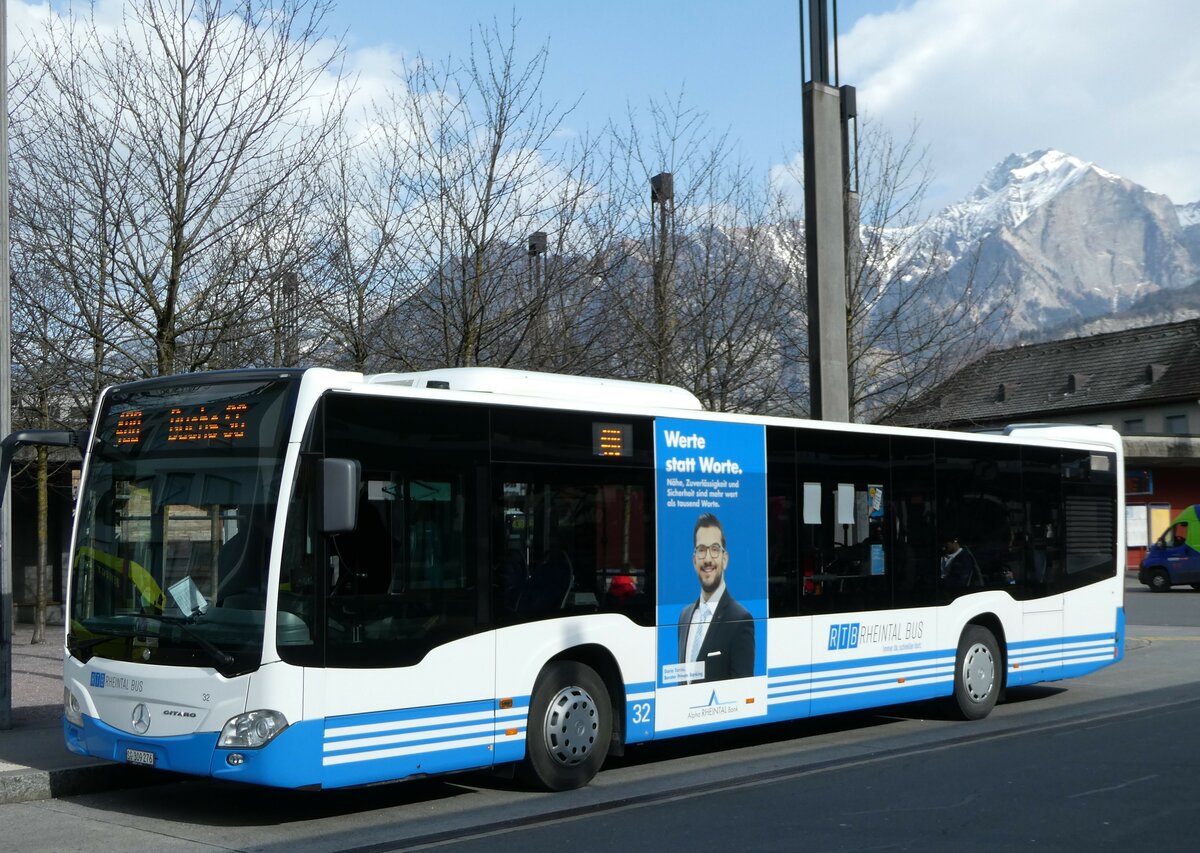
[{"x": 715, "y": 630}]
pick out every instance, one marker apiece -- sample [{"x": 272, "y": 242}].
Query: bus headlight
[
  {"x": 252, "y": 730},
  {"x": 72, "y": 708}
]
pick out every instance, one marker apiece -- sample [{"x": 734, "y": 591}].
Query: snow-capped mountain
[
  {"x": 1189, "y": 214},
  {"x": 1066, "y": 240}
]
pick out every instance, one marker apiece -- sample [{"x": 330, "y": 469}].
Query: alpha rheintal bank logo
[{"x": 713, "y": 708}]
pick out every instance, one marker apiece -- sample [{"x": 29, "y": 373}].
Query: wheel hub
[
  {"x": 572, "y": 725},
  {"x": 979, "y": 672}
]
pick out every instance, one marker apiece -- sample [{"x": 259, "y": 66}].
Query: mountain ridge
[{"x": 1067, "y": 241}]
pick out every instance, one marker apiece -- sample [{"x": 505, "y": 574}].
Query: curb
[{"x": 29, "y": 785}]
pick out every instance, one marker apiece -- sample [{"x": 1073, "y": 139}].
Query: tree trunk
[{"x": 43, "y": 525}]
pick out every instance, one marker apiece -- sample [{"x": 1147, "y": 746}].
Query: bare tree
[
  {"x": 353, "y": 275},
  {"x": 156, "y": 150},
  {"x": 44, "y": 372},
  {"x": 908, "y": 324},
  {"x": 703, "y": 299},
  {"x": 479, "y": 170}
]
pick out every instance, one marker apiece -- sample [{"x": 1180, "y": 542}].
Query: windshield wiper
[
  {"x": 184, "y": 622},
  {"x": 82, "y": 646},
  {"x": 102, "y": 636}
]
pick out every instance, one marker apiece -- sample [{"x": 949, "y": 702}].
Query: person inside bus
[
  {"x": 959, "y": 568},
  {"x": 714, "y": 629}
]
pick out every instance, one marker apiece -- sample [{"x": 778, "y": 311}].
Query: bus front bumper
[{"x": 290, "y": 760}]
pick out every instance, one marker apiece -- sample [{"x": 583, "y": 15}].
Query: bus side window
[
  {"x": 577, "y": 544},
  {"x": 407, "y": 576},
  {"x": 844, "y": 507},
  {"x": 785, "y": 581},
  {"x": 1089, "y": 518}
]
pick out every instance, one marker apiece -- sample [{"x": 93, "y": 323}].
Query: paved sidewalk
[{"x": 34, "y": 762}]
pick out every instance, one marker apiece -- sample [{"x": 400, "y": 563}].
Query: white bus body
[{"x": 516, "y": 584}]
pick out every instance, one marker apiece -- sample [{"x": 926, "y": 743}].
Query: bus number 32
[{"x": 641, "y": 713}]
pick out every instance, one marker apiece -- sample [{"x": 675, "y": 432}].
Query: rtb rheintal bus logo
[
  {"x": 844, "y": 636},
  {"x": 886, "y": 636}
]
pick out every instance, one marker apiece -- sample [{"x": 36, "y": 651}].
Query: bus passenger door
[
  {"x": 1039, "y": 656},
  {"x": 409, "y": 679}
]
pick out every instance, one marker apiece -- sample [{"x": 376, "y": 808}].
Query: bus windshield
[{"x": 170, "y": 562}]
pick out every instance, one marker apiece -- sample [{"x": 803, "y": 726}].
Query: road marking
[{"x": 1170, "y": 639}]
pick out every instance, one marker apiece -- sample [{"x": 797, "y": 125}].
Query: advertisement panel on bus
[{"x": 712, "y": 595}]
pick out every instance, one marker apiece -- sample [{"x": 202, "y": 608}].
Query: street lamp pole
[
  {"x": 6, "y": 580},
  {"x": 662, "y": 193},
  {"x": 825, "y": 223},
  {"x": 539, "y": 298}
]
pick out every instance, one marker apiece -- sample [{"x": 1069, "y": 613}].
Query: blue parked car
[{"x": 1175, "y": 557}]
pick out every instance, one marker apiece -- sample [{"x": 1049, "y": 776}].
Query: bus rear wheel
[
  {"x": 977, "y": 673},
  {"x": 570, "y": 726}
]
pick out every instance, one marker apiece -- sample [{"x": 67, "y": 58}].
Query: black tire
[
  {"x": 1159, "y": 581},
  {"x": 570, "y": 726},
  {"x": 978, "y": 673}
]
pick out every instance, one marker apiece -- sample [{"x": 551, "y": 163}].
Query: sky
[{"x": 1113, "y": 82}]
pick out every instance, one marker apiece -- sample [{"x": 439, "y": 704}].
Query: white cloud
[{"x": 1114, "y": 82}]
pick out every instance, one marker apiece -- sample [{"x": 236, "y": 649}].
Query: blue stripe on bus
[
  {"x": 1055, "y": 641},
  {"x": 362, "y": 748},
  {"x": 409, "y": 714},
  {"x": 1033, "y": 661},
  {"x": 883, "y": 665},
  {"x": 895, "y": 695},
  {"x": 878, "y": 660},
  {"x": 814, "y": 690},
  {"x": 408, "y": 765},
  {"x": 926, "y": 674}
]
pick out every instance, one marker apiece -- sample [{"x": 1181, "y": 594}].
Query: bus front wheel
[
  {"x": 570, "y": 725},
  {"x": 977, "y": 673}
]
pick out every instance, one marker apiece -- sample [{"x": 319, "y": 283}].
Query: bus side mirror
[
  {"x": 339, "y": 494},
  {"x": 22, "y": 438}
]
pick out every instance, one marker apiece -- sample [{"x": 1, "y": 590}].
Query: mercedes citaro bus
[{"x": 312, "y": 578}]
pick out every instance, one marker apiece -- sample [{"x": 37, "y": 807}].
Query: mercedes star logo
[{"x": 141, "y": 718}]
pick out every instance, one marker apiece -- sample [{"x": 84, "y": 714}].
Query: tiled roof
[{"x": 1153, "y": 364}]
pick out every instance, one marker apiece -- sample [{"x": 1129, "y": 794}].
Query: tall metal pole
[
  {"x": 662, "y": 193},
  {"x": 825, "y": 227},
  {"x": 6, "y": 581}
]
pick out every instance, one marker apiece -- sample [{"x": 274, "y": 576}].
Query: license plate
[{"x": 139, "y": 756}]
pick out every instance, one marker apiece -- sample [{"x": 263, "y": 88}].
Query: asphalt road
[
  {"x": 1101, "y": 762},
  {"x": 1103, "y": 781},
  {"x": 1179, "y": 607}
]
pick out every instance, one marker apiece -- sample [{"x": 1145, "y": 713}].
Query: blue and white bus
[{"x": 311, "y": 578}]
